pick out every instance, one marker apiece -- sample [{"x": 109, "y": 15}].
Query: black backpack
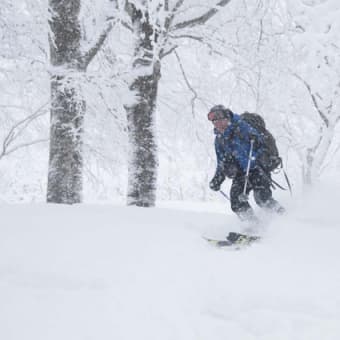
[{"x": 270, "y": 158}]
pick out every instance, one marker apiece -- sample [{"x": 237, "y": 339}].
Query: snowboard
[{"x": 234, "y": 240}]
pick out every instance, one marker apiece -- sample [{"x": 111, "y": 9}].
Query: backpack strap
[{"x": 275, "y": 184}]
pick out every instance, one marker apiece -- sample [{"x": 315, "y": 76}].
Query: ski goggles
[{"x": 216, "y": 115}]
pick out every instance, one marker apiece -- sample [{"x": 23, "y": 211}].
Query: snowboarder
[{"x": 241, "y": 156}]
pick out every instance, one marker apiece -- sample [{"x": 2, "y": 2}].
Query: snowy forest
[
  {"x": 103, "y": 99},
  {"x": 114, "y": 222}
]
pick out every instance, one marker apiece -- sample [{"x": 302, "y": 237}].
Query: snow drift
[{"x": 103, "y": 272}]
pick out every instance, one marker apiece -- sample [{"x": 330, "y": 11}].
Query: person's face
[
  {"x": 221, "y": 124},
  {"x": 219, "y": 121}
]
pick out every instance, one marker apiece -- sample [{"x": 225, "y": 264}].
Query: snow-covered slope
[{"x": 102, "y": 272}]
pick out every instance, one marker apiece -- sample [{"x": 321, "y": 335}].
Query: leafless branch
[
  {"x": 260, "y": 36},
  {"x": 330, "y": 107},
  {"x": 168, "y": 22},
  {"x": 91, "y": 53},
  {"x": 170, "y": 18},
  {"x": 186, "y": 36},
  {"x": 203, "y": 18},
  {"x": 315, "y": 102},
  {"x": 196, "y": 38},
  {"x": 195, "y": 96},
  {"x": 24, "y": 145},
  {"x": 17, "y": 130},
  {"x": 166, "y": 53}
]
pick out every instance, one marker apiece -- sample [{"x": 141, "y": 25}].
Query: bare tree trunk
[
  {"x": 308, "y": 169},
  {"x": 329, "y": 118},
  {"x": 66, "y": 141},
  {"x": 69, "y": 63},
  {"x": 67, "y": 105},
  {"x": 143, "y": 162},
  {"x": 316, "y": 156}
]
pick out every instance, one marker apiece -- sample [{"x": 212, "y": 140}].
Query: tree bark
[
  {"x": 69, "y": 63},
  {"x": 67, "y": 106},
  {"x": 143, "y": 162},
  {"x": 65, "y": 182}
]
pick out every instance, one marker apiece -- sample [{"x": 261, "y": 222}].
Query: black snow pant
[{"x": 259, "y": 182}]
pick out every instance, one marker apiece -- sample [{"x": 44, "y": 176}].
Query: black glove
[
  {"x": 257, "y": 142},
  {"x": 269, "y": 163},
  {"x": 215, "y": 183},
  {"x": 231, "y": 171},
  {"x": 230, "y": 167}
]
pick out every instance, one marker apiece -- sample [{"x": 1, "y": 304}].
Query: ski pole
[
  {"x": 244, "y": 197},
  {"x": 224, "y": 195},
  {"x": 288, "y": 182}
]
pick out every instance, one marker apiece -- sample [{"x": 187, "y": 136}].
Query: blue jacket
[{"x": 234, "y": 144}]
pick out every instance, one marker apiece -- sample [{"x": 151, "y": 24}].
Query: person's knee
[{"x": 261, "y": 198}]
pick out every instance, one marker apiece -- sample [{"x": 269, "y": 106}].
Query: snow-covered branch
[
  {"x": 92, "y": 52},
  {"x": 163, "y": 53},
  {"x": 170, "y": 18},
  {"x": 315, "y": 102},
  {"x": 203, "y": 18}
]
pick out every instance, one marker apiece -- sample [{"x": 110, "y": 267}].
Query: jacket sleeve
[
  {"x": 219, "y": 156},
  {"x": 226, "y": 163}
]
